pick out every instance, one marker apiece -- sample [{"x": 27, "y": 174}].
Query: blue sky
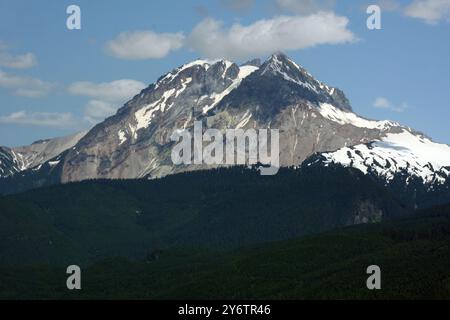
[{"x": 55, "y": 81}]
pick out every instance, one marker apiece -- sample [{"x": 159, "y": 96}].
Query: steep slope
[
  {"x": 15, "y": 160},
  {"x": 136, "y": 141},
  {"x": 407, "y": 154},
  {"x": 279, "y": 94},
  {"x": 312, "y": 118},
  {"x": 8, "y": 163},
  {"x": 42, "y": 151}
]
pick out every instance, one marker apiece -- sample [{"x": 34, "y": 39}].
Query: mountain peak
[
  {"x": 280, "y": 63},
  {"x": 279, "y": 59},
  {"x": 312, "y": 118},
  {"x": 283, "y": 67},
  {"x": 279, "y": 56},
  {"x": 254, "y": 62}
]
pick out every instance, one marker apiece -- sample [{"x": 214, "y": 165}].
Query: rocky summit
[{"x": 315, "y": 121}]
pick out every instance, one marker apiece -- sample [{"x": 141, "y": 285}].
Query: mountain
[
  {"x": 42, "y": 151},
  {"x": 100, "y": 196},
  {"x": 412, "y": 154},
  {"x": 316, "y": 123},
  {"x": 15, "y": 160},
  {"x": 279, "y": 94}
]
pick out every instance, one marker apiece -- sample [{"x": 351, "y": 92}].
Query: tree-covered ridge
[
  {"x": 412, "y": 252},
  {"x": 224, "y": 208}
]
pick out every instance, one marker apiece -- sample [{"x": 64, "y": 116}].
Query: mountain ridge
[
  {"x": 312, "y": 117},
  {"x": 18, "y": 159}
]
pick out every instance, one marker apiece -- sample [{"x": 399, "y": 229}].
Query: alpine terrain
[
  {"x": 14, "y": 160},
  {"x": 315, "y": 121},
  {"x": 351, "y": 192}
]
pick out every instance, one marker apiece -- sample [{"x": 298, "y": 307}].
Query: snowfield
[{"x": 397, "y": 152}]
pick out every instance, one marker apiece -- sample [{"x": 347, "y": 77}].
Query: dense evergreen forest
[{"x": 226, "y": 233}]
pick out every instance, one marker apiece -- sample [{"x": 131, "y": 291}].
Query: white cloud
[
  {"x": 44, "y": 119},
  {"x": 140, "y": 45},
  {"x": 21, "y": 61},
  {"x": 96, "y": 111},
  {"x": 263, "y": 37},
  {"x": 431, "y": 11},
  {"x": 117, "y": 90},
  {"x": 25, "y": 86},
  {"x": 107, "y": 96},
  {"x": 383, "y": 103},
  {"x": 304, "y": 6}
]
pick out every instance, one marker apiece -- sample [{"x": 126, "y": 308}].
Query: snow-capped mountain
[
  {"x": 315, "y": 121},
  {"x": 277, "y": 94},
  {"x": 408, "y": 153},
  {"x": 14, "y": 160}
]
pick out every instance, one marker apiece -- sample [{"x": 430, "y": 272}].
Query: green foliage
[
  {"x": 225, "y": 208},
  {"x": 413, "y": 254},
  {"x": 227, "y": 233}
]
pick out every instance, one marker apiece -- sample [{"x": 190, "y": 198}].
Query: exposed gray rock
[
  {"x": 44, "y": 150},
  {"x": 315, "y": 122},
  {"x": 367, "y": 212},
  {"x": 8, "y": 164},
  {"x": 279, "y": 94},
  {"x": 14, "y": 160}
]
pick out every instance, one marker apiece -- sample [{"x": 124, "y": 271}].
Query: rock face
[
  {"x": 15, "y": 160},
  {"x": 315, "y": 122},
  {"x": 367, "y": 212},
  {"x": 279, "y": 94},
  {"x": 8, "y": 164}
]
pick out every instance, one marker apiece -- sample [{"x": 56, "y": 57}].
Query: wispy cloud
[
  {"x": 140, "y": 45},
  {"x": 96, "y": 111},
  {"x": 107, "y": 96},
  {"x": 25, "y": 86},
  {"x": 21, "y": 61},
  {"x": 110, "y": 91},
  {"x": 431, "y": 11},
  {"x": 383, "y": 103},
  {"x": 282, "y": 33},
  {"x": 43, "y": 119}
]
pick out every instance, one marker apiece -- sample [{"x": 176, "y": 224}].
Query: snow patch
[
  {"x": 145, "y": 115},
  {"x": 54, "y": 163},
  {"x": 172, "y": 75},
  {"x": 244, "y": 72},
  {"x": 277, "y": 65},
  {"x": 345, "y": 117},
  {"x": 245, "y": 119},
  {"x": 394, "y": 153},
  {"x": 184, "y": 84},
  {"x": 122, "y": 137}
]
